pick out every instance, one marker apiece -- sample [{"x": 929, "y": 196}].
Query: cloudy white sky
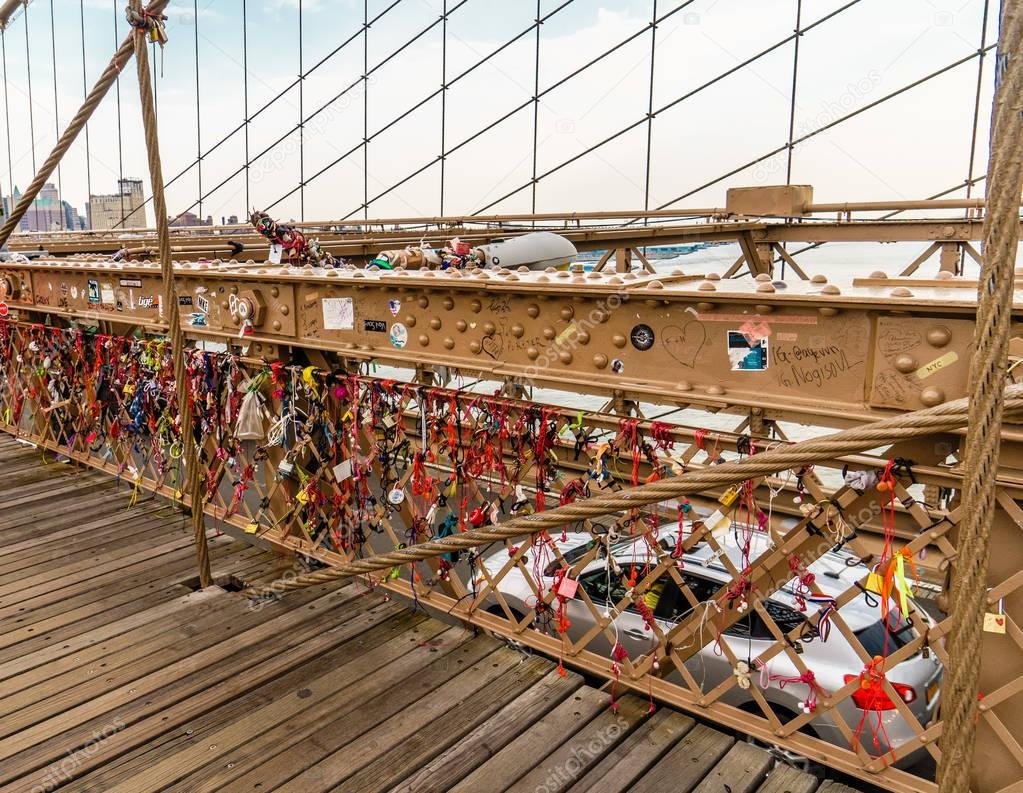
[{"x": 912, "y": 146}]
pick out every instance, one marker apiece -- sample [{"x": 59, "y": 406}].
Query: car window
[
  {"x": 597, "y": 587},
  {"x": 570, "y": 557},
  {"x": 872, "y": 637},
  {"x": 752, "y": 626},
  {"x": 674, "y": 605}
]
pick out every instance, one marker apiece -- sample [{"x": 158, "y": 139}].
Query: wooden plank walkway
[{"x": 116, "y": 676}]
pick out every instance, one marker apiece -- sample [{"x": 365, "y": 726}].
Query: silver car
[{"x": 833, "y": 662}]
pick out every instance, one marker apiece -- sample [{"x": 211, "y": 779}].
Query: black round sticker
[{"x": 642, "y": 337}]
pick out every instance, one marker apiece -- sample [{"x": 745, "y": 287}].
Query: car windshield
[{"x": 899, "y": 634}]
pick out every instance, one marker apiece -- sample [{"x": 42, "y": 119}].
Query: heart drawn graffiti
[
  {"x": 684, "y": 344},
  {"x": 494, "y": 346}
]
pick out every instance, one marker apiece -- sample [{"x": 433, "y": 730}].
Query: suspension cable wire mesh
[
  {"x": 608, "y": 139},
  {"x": 792, "y": 107},
  {"x": 536, "y": 102}
]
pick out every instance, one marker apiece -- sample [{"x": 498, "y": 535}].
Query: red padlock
[{"x": 478, "y": 517}]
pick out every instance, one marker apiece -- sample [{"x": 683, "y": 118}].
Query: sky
[{"x": 712, "y": 115}]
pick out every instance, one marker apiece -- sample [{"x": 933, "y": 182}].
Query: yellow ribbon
[
  {"x": 895, "y": 579},
  {"x": 308, "y": 376}
]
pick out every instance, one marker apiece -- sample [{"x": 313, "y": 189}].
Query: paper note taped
[{"x": 338, "y": 313}]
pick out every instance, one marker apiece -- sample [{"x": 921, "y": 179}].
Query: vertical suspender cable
[
  {"x": 976, "y": 101},
  {"x": 245, "y": 89},
  {"x": 301, "y": 120},
  {"x": 365, "y": 109},
  {"x": 536, "y": 101},
  {"x": 31, "y": 100},
  {"x": 7, "y": 120},
  {"x": 961, "y": 686},
  {"x": 795, "y": 83},
  {"x": 792, "y": 104},
  {"x": 56, "y": 117},
  {"x": 650, "y": 109},
  {"x": 85, "y": 91},
  {"x": 198, "y": 116},
  {"x": 120, "y": 140},
  {"x": 443, "y": 98}
]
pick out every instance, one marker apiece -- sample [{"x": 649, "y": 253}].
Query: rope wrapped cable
[
  {"x": 191, "y": 456},
  {"x": 987, "y": 374},
  {"x": 943, "y": 418}
]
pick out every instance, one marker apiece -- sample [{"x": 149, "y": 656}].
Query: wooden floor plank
[
  {"x": 545, "y": 735},
  {"x": 628, "y": 761},
  {"x": 89, "y": 609},
  {"x": 327, "y": 688},
  {"x": 585, "y": 748},
  {"x": 346, "y": 757},
  {"x": 786, "y": 779},
  {"x": 742, "y": 770},
  {"x": 185, "y": 689},
  {"x": 82, "y": 642},
  {"x": 686, "y": 763},
  {"x": 406, "y": 756},
  {"x": 477, "y": 747},
  {"x": 267, "y": 720},
  {"x": 835, "y": 787}
]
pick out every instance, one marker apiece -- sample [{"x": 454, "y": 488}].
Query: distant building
[
  {"x": 106, "y": 211},
  {"x": 47, "y": 213},
  {"x": 189, "y": 219},
  {"x": 232, "y": 221}
]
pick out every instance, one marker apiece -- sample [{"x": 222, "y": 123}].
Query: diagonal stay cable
[
  {"x": 830, "y": 125},
  {"x": 305, "y": 121},
  {"x": 430, "y": 97},
  {"x": 266, "y": 106},
  {"x": 678, "y": 100},
  {"x": 532, "y": 100}
]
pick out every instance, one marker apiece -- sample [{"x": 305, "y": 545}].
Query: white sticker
[
  {"x": 338, "y": 313},
  {"x": 276, "y": 251},
  {"x": 394, "y": 306},
  {"x": 203, "y": 304},
  {"x": 107, "y": 293},
  {"x": 342, "y": 470},
  {"x": 399, "y": 335}
]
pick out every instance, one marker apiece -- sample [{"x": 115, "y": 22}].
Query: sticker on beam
[
  {"x": 746, "y": 355},
  {"x": 338, "y": 313},
  {"x": 936, "y": 365}
]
